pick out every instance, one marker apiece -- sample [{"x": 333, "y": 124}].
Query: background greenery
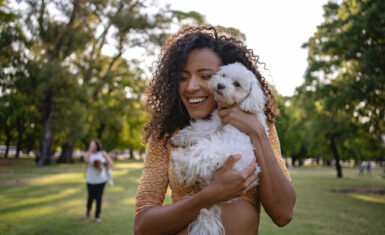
[
  {"x": 64, "y": 79},
  {"x": 42, "y": 200},
  {"x": 66, "y": 76}
]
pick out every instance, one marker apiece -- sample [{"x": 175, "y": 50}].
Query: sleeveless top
[
  {"x": 158, "y": 174},
  {"x": 93, "y": 175}
]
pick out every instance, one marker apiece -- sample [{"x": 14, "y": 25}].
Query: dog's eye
[{"x": 236, "y": 84}]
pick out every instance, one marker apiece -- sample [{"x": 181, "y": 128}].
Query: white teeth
[{"x": 195, "y": 100}]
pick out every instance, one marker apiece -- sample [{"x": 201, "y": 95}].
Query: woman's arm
[
  {"x": 276, "y": 192},
  {"x": 88, "y": 153},
  {"x": 170, "y": 219},
  {"x": 108, "y": 160},
  {"x": 87, "y": 156},
  {"x": 157, "y": 219}
]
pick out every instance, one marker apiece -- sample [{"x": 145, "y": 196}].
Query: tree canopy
[
  {"x": 67, "y": 76},
  {"x": 341, "y": 101}
]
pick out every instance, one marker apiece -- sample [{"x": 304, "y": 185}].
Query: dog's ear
[{"x": 256, "y": 99}]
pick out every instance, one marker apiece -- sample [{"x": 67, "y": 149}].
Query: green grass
[
  {"x": 51, "y": 200},
  {"x": 319, "y": 210}
]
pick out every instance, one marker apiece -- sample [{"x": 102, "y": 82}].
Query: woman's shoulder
[
  {"x": 161, "y": 144},
  {"x": 158, "y": 148}
]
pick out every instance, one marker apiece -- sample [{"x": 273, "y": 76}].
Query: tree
[
  {"x": 73, "y": 81},
  {"x": 67, "y": 39},
  {"x": 12, "y": 41},
  {"x": 344, "y": 84}
]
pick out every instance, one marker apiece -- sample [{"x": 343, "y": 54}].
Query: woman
[
  {"x": 98, "y": 163},
  {"x": 179, "y": 93}
]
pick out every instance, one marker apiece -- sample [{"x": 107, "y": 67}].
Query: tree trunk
[
  {"x": 18, "y": 149},
  {"x": 300, "y": 161},
  {"x": 100, "y": 130},
  {"x": 131, "y": 154},
  {"x": 45, "y": 158},
  {"x": 19, "y": 137},
  {"x": 6, "y": 150},
  {"x": 336, "y": 156},
  {"x": 8, "y": 140},
  {"x": 66, "y": 153}
]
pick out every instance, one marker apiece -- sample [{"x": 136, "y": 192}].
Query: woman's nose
[{"x": 193, "y": 84}]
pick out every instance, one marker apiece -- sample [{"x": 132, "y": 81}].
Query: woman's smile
[
  {"x": 196, "y": 100},
  {"x": 193, "y": 90}
]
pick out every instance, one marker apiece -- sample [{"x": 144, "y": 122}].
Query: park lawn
[{"x": 51, "y": 200}]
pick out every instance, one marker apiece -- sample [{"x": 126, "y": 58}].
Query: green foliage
[
  {"x": 196, "y": 16},
  {"x": 64, "y": 75},
  {"x": 232, "y": 32},
  {"x": 5, "y": 14},
  {"x": 343, "y": 96}
]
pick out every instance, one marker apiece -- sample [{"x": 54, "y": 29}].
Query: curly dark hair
[{"x": 167, "y": 112}]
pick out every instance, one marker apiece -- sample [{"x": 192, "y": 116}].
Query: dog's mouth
[{"x": 219, "y": 92}]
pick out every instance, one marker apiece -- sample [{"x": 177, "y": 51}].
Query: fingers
[
  {"x": 223, "y": 112},
  {"x": 230, "y": 161},
  {"x": 223, "y": 106},
  {"x": 224, "y": 109},
  {"x": 249, "y": 175},
  {"x": 228, "y": 113},
  {"x": 250, "y": 181},
  {"x": 250, "y": 169}
]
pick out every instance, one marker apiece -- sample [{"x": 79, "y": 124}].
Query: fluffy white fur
[{"x": 205, "y": 145}]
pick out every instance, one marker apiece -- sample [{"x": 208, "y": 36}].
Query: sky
[{"x": 274, "y": 29}]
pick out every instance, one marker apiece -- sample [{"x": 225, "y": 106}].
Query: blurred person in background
[{"x": 98, "y": 164}]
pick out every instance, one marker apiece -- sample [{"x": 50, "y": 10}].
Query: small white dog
[{"x": 205, "y": 145}]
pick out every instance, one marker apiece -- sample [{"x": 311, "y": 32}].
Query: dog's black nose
[{"x": 220, "y": 86}]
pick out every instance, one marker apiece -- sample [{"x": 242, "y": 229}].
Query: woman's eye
[
  {"x": 182, "y": 78},
  {"x": 206, "y": 76},
  {"x": 236, "y": 84}
]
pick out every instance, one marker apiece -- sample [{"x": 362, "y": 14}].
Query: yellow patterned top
[{"x": 158, "y": 174}]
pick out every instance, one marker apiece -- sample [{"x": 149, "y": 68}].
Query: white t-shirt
[{"x": 93, "y": 175}]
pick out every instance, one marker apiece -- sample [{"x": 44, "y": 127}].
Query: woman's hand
[
  {"x": 243, "y": 121},
  {"x": 228, "y": 183}
]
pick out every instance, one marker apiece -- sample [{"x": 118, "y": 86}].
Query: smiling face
[{"x": 193, "y": 89}]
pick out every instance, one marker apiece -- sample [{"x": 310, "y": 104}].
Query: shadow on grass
[{"x": 52, "y": 201}]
